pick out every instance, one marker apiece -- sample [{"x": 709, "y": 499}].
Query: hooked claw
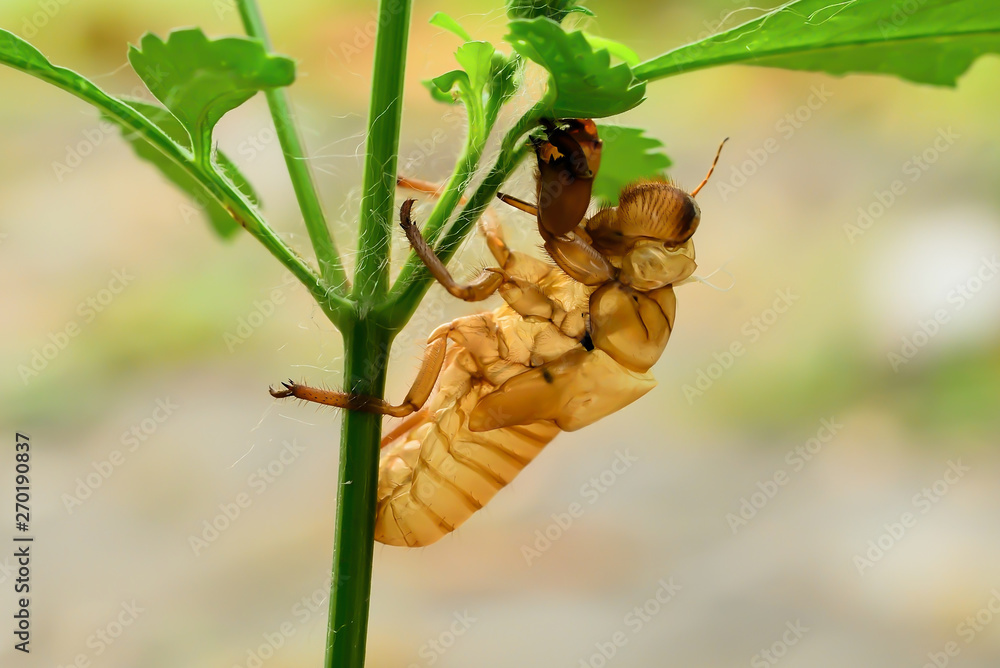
[{"x": 281, "y": 394}]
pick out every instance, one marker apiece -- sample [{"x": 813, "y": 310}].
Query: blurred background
[{"x": 814, "y": 482}]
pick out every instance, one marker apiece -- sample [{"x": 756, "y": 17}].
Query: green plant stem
[
  {"x": 371, "y": 278},
  {"x": 480, "y": 126},
  {"x": 366, "y": 345},
  {"x": 459, "y": 180},
  {"x": 330, "y": 265}
]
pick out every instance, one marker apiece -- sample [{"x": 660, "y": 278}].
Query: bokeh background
[{"x": 820, "y": 570}]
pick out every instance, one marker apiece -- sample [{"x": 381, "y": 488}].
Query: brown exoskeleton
[{"x": 572, "y": 343}]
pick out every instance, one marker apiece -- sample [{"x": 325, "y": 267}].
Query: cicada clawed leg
[
  {"x": 419, "y": 185},
  {"x": 570, "y": 251},
  {"x": 489, "y": 226},
  {"x": 421, "y": 389},
  {"x": 581, "y": 261},
  {"x": 403, "y": 427},
  {"x": 519, "y": 204},
  {"x": 477, "y": 290}
]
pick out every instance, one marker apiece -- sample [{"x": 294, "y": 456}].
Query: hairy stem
[
  {"x": 379, "y": 189},
  {"x": 330, "y": 265},
  {"x": 366, "y": 345},
  {"x": 456, "y": 185}
]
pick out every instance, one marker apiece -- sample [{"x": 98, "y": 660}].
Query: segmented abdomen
[
  {"x": 435, "y": 476},
  {"x": 438, "y": 473}
]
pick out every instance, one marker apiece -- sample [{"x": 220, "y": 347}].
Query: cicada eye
[{"x": 688, "y": 217}]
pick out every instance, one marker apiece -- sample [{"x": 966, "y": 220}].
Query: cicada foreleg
[
  {"x": 430, "y": 369},
  {"x": 572, "y": 252},
  {"x": 489, "y": 226},
  {"x": 477, "y": 290},
  {"x": 518, "y": 204}
]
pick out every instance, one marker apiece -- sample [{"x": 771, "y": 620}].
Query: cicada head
[
  {"x": 568, "y": 160},
  {"x": 654, "y": 210},
  {"x": 649, "y": 234}
]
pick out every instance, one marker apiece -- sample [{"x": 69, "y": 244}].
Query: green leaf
[
  {"x": 926, "y": 41},
  {"x": 154, "y": 145},
  {"x": 479, "y": 62},
  {"x": 626, "y": 157},
  {"x": 442, "y": 20},
  {"x": 222, "y": 222},
  {"x": 616, "y": 49},
  {"x": 476, "y": 58},
  {"x": 199, "y": 80},
  {"x": 505, "y": 77},
  {"x": 444, "y": 88},
  {"x": 585, "y": 83},
  {"x": 20, "y": 55},
  {"x": 488, "y": 79}
]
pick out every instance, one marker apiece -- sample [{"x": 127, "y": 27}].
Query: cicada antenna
[
  {"x": 694, "y": 278},
  {"x": 710, "y": 169}
]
